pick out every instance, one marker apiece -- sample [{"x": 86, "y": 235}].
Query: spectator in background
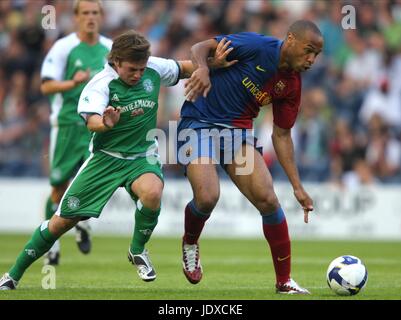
[
  {"x": 345, "y": 98},
  {"x": 31, "y": 34},
  {"x": 310, "y": 137},
  {"x": 384, "y": 97},
  {"x": 390, "y": 23},
  {"x": 14, "y": 128},
  {"x": 332, "y": 31},
  {"x": 361, "y": 175},
  {"x": 381, "y": 100},
  {"x": 383, "y": 152},
  {"x": 366, "y": 17},
  {"x": 344, "y": 150},
  {"x": 363, "y": 66}
]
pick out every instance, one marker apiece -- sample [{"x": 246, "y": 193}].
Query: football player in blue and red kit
[{"x": 226, "y": 101}]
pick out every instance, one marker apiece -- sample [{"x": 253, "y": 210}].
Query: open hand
[
  {"x": 111, "y": 116},
  {"x": 198, "y": 84},
  {"x": 220, "y": 55}
]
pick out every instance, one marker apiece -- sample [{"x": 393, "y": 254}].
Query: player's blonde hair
[
  {"x": 77, "y": 2},
  {"x": 130, "y": 46}
]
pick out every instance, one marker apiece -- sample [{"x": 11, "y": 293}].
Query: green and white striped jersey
[
  {"x": 67, "y": 56},
  {"x": 138, "y": 103}
]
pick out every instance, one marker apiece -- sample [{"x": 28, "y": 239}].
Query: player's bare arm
[
  {"x": 284, "y": 147},
  {"x": 200, "y": 82},
  {"x": 50, "y": 86},
  {"x": 106, "y": 122},
  {"x": 219, "y": 60},
  {"x": 187, "y": 68}
]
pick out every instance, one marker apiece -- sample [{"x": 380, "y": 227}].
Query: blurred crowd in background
[{"x": 348, "y": 131}]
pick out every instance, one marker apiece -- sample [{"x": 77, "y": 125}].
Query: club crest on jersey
[
  {"x": 137, "y": 112},
  {"x": 148, "y": 85},
  {"x": 73, "y": 203},
  {"x": 279, "y": 87}
]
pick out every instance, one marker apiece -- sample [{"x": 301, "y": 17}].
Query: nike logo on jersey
[
  {"x": 259, "y": 68},
  {"x": 282, "y": 259}
]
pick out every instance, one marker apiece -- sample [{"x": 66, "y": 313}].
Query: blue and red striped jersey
[{"x": 238, "y": 92}]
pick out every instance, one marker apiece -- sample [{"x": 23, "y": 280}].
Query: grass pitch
[{"x": 233, "y": 270}]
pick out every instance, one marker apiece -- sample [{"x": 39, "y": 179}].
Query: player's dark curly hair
[{"x": 131, "y": 46}]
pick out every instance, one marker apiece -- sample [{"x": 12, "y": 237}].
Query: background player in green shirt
[
  {"x": 69, "y": 64},
  {"x": 119, "y": 106}
]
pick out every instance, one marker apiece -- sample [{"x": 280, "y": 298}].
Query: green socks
[
  {"x": 145, "y": 222},
  {"x": 37, "y": 246}
]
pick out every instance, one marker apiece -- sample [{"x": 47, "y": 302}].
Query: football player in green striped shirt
[
  {"x": 119, "y": 106},
  {"x": 68, "y": 66}
]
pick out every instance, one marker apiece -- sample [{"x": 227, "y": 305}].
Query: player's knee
[
  {"x": 58, "y": 226},
  {"x": 207, "y": 202},
  {"x": 267, "y": 202},
  {"x": 152, "y": 198}
]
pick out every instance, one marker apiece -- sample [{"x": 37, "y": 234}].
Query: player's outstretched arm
[
  {"x": 106, "y": 122},
  {"x": 50, "y": 86},
  {"x": 284, "y": 147}
]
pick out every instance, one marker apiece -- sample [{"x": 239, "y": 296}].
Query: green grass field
[{"x": 233, "y": 269}]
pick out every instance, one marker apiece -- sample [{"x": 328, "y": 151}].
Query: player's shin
[
  {"x": 194, "y": 223},
  {"x": 145, "y": 223},
  {"x": 275, "y": 230},
  {"x": 41, "y": 241},
  {"x": 51, "y": 208}
]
